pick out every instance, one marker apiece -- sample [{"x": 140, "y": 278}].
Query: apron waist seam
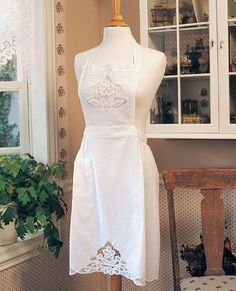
[{"x": 106, "y": 131}]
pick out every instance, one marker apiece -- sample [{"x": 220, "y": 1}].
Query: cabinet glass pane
[
  {"x": 232, "y": 59},
  {"x": 231, "y": 9},
  {"x": 194, "y": 51},
  {"x": 162, "y": 13},
  {"x": 165, "y": 106},
  {"x": 232, "y": 47},
  {"x": 193, "y": 11},
  {"x": 9, "y": 119},
  {"x": 195, "y": 99},
  {"x": 166, "y": 41},
  {"x": 232, "y": 86}
]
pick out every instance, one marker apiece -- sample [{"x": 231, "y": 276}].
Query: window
[
  {"x": 14, "y": 117},
  {"x": 14, "y": 135},
  {"x": 27, "y": 93},
  {"x": 24, "y": 83}
]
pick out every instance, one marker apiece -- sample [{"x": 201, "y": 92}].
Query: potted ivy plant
[{"x": 31, "y": 198}]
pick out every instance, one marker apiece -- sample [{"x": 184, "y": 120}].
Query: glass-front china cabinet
[{"x": 197, "y": 96}]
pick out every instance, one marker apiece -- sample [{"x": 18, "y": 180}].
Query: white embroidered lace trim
[
  {"x": 7, "y": 50},
  {"x": 108, "y": 260},
  {"x": 106, "y": 95}
]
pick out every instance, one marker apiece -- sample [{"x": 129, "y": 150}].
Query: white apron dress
[{"x": 115, "y": 210}]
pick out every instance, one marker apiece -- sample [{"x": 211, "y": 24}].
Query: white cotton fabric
[{"x": 115, "y": 209}]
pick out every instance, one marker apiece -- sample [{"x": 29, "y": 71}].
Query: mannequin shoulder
[
  {"x": 81, "y": 58},
  {"x": 152, "y": 56},
  {"x": 153, "y": 61}
]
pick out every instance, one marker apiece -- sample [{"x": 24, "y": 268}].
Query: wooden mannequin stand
[
  {"x": 116, "y": 283},
  {"x": 116, "y": 20}
]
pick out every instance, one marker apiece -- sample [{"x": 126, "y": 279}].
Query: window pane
[
  {"x": 7, "y": 42},
  {"x": 166, "y": 41},
  {"x": 8, "y": 70},
  {"x": 194, "y": 51},
  {"x": 193, "y": 11},
  {"x": 16, "y": 38},
  {"x": 195, "y": 99},
  {"x": 165, "y": 106},
  {"x": 9, "y": 119},
  {"x": 232, "y": 88},
  {"x": 162, "y": 13},
  {"x": 231, "y": 9}
]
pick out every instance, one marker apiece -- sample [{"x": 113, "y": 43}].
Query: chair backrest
[{"x": 211, "y": 182}]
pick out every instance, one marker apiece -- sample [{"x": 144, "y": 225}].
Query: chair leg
[{"x": 173, "y": 240}]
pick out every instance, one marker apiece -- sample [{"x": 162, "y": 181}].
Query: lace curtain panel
[{"x": 16, "y": 28}]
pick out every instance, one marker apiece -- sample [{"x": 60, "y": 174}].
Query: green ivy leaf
[
  {"x": 23, "y": 195},
  {"x": 59, "y": 212},
  {"x": 41, "y": 217},
  {"x": 50, "y": 188},
  {"x": 57, "y": 169},
  {"x": 54, "y": 246},
  {"x": 2, "y": 184},
  {"x": 32, "y": 192},
  {"x": 25, "y": 165},
  {"x": 42, "y": 184},
  {"x": 11, "y": 167},
  {"x": 4, "y": 198},
  {"x": 43, "y": 195},
  {"x": 30, "y": 224},
  {"x": 21, "y": 229},
  {"x": 8, "y": 215}
]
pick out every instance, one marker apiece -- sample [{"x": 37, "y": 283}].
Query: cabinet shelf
[
  {"x": 170, "y": 77},
  {"x": 183, "y": 135},
  {"x": 194, "y": 26},
  {"x": 162, "y": 29},
  {"x": 232, "y": 24},
  {"x": 232, "y": 19},
  {"x": 196, "y": 76},
  {"x": 188, "y": 26}
]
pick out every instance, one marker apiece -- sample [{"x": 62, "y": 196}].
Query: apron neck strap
[{"x": 136, "y": 56}]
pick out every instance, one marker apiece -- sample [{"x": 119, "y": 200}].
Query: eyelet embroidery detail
[
  {"x": 108, "y": 261},
  {"x": 106, "y": 95}
]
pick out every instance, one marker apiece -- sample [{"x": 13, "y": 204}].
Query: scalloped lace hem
[
  {"x": 108, "y": 261},
  {"x": 138, "y": 282}
]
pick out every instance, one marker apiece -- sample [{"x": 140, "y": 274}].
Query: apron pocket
[{"x": 83, "y": 178}]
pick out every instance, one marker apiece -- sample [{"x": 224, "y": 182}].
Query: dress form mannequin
[{"x": 116, "y": 48}]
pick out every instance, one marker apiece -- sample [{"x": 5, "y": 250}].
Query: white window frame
[{"x": 20, "y": 87}]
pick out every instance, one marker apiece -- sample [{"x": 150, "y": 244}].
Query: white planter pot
[{"x": 8, "y": 234}]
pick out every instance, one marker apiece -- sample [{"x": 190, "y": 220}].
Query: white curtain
[{"x": 16, "y": 28}]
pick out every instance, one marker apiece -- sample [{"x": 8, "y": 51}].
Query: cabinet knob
[
  {"x": 212, "y": 43},
  {"x": 221, "y": 44}
]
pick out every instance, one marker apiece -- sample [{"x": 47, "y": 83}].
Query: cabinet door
[
  {"x": 227, "y": 64},
  {"x": 185, "y": 30}
]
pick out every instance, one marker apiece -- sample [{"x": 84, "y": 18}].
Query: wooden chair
[{"x": 211, "y": 182}]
